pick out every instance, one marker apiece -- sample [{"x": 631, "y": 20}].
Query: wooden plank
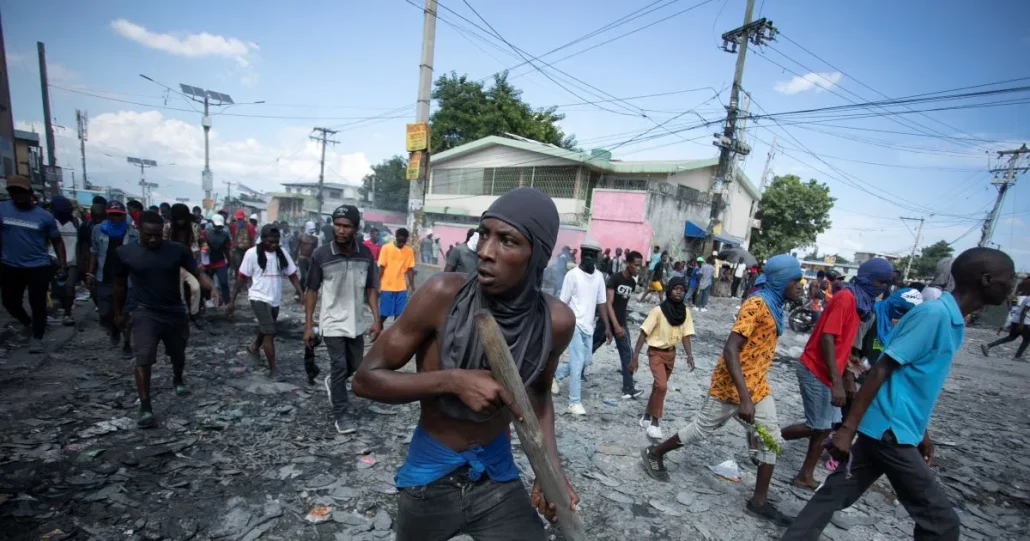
[{"x": 503, "y": 368}]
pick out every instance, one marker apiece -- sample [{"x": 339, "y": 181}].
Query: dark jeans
[
  {"x": 65, "y": 293},
  {"x": 344, "y": 358},
  {"x": 911, "y": 478},
  {"x": 625, "y": 352},
  {"x": 13, "y": 283},
  {"x": 221, "y": 274},
  {"x": 1013, "y": 335},
  {"x": 735, "y": 287},
  {"x": 485, "y": 510},
  {"x": 702, "y": 296},
  {"x": 303, "y": 265}
]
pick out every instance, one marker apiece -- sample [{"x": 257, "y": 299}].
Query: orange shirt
[
  {"x": 756, "y": 325},
  {"x": 395, "y": 262}
]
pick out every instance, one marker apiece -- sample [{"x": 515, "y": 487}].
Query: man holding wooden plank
[{"x": 460, "y": 475}]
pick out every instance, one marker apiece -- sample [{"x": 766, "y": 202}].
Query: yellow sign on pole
[
  {"x": 417, "y": 136},
  {"x": 414, "y": 166},
  {"x": 209, "y": 203}
]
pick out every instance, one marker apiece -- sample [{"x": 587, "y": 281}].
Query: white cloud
[
  {"x": 815, "y": 80},
  {"x": 56, "y": 72},
  {"x": 189, "y": 45},
  {"x": 178, "y": 148}
]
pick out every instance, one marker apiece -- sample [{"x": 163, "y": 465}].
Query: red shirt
[
  {"x": 839, "y": 318},
  {"x": 374, "y": 248}
]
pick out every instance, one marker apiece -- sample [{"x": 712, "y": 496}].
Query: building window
[
  {"x": 335, "y": 194},
  {"x": 555, "y": 181}
]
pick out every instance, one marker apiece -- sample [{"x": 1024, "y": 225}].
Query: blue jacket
[{"x": 98, "y": 247}]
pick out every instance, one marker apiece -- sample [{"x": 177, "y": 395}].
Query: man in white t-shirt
[
  {"x": 738, "y": 277},
  {"x": 1018, "y": 322},
  {"x": 584, "y": 291},
  {"x": 265, "y": 265}
]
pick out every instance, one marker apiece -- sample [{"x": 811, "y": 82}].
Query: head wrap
[
  {"x": 522, "y": 313},
  {"x": 675, "y": 312},
  {"x": 309, "y": 228},
  {"x": 892, "y": 308},
  {"x": 862, "y": 287},
  {"x": 779, "y": 270},
  {"x": 942, "y": 277},
  {"x": 61, "y": 208}
]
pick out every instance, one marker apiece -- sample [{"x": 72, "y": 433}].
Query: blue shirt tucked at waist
[
  {"x": 923, "y": 343},
  {"x": 429, "y": 460}
]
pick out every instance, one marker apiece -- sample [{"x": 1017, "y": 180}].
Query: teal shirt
[{"x": 923, "y": 343}]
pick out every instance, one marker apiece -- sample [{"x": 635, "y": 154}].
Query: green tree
[
  {"x": 841, "y": 259},
  {"x": 391, "y": 190},
  {"x": 468, "y": 110},
  {"x": 925, "y": 264},
  {"x": 793, "y": 213}
]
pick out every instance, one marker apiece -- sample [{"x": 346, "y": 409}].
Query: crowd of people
[{"x": 869, "y": 375}]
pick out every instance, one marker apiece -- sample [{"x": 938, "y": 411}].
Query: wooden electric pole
[{"x": 324, "y": 139}]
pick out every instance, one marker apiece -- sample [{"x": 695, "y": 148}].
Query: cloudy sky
[{"x": 353, "y": 66}]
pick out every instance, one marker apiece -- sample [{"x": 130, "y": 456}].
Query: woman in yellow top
[{"x": 666, "y": 325}]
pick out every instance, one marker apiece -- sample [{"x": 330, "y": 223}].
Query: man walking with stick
[{"x": 460, "y": 475}]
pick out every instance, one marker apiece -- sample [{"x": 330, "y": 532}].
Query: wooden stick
[{"x": 544, "y": 465}]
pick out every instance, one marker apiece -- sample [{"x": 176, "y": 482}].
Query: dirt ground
[{"x": 244, "y": 458}]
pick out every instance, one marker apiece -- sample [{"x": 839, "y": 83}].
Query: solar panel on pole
[
  {"x": 134, "y": 161},
  {"x": 150, "y": 163}
]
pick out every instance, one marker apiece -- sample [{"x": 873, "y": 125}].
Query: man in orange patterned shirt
[{"x": 739, "y": 387}]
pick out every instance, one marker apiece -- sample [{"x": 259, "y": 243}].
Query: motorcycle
[{"x": 802, "y": 317}]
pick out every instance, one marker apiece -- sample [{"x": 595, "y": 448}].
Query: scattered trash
[
  {"x": 319, "y": 514},
  {"x": 610, "y": 402},
  {"x": 366, "y": 462},
  {"x": 95, "y": 452},
  {"x": 106, "y": 427},
  {"x": 51, "y": 534},
  {"x": 727, "y": 470}
]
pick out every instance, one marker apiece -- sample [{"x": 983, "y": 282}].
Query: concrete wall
[
  {"x": 450, "y": 234},
  {"x": 698, "y": 179},
  {"x": 384, "y": 216},
  {"x": 618, "y": 219},
  {"x": 668, "y": 214},
  {"x": 474, "y": 205},
  {"x": 735, "y": 218}
]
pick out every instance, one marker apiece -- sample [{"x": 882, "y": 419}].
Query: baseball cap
[
  {"x": 700, "y": 259},
  {"x": 239, "y": 215},
  {"x": 350, "y": 212},
  {"x": 18, "y": 181},
  {"x": 115, "y": 207},
  {"x": 590, "y": 244},
  {"x": 253, "y": 217},
  {"x": 218, "y": 220}
]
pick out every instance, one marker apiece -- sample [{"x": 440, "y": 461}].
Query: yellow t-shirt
[
  {"x": 661, "y": 334},
  {"x": 756, "y": 325},
  {"x": 395, "y": 262}
]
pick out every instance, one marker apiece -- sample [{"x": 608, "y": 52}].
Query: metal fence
[{"x": 557, "y": 181}]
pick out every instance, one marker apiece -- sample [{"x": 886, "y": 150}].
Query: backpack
[{"x": 241, "y": 240}]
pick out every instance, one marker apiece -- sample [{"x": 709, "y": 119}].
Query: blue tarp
[
  {"x": 692, "y": 230},
  {"x": 727, "y": 239}
]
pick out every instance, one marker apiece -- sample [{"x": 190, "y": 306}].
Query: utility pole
[
  {"x": 51, "y": 154},
  {"x": 730, "y": 146},
  {"x": 1003, "y": 183},
  {"x": 915, "y": 245},
  {"x": 761, "y": 190},
  {"x": 81, "y": 121},
  {"x": 323, "y": 138},
  {"x": 6, "y": 115},
  {"x": 145, "y": 187},
  {"x": 228, "y": 191},
  {"x": 417, "y": 186}
]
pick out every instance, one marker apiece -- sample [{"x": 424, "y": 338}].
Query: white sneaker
[
  {"x": 644, "y": 423},
  {"x": 696, "y": 309},
  {"x": 654, "y": 432},
  {"x": 329, "y": 389},
  {"x": 555, "y": 386},
  {"x": 577, "y": 409},
  {"x": 704, "y": 309}
]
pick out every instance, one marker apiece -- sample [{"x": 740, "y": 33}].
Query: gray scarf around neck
[{"x": 522, "y": 313}]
